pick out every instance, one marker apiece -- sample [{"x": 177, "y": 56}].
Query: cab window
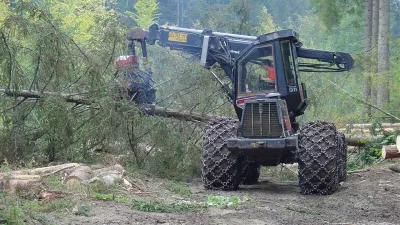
[
  {"x": 288, "y": 63},
  {"x": 254, "y": 76}
]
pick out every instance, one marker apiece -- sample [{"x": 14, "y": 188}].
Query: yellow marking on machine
[
  {"x": 254, "y": 144},
  {"x": 177, "y": 37}
]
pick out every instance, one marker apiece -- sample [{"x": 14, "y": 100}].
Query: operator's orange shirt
[{"x": 271, "y": 73}]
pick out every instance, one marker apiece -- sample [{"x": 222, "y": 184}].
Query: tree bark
[
  {"x": 383, "y": 53},
  {"x": 367, "y": 57},
  {"x": 390, "y": 152},
  {"x": 360, "y": 141},
  {"x": 374, "y": 45}
]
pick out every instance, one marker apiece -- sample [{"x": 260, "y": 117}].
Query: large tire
[
  {"x": 317, "y": 156},
  {"x": 342, "y": 157},
  {"x": 220, "y": 167},
  {"x": 250, "y": 171}
]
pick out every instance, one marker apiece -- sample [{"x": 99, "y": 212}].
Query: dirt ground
[{"x": 371, "y": 197}]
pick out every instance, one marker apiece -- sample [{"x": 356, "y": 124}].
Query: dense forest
[{"x": 62, "y": 50}]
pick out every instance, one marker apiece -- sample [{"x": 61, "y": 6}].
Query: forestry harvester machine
[{"x": 266, "y": 132}]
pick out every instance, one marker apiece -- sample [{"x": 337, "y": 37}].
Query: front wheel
[
  {"x": 318, "y": 160},
  {"x": 219, "y": 165},
  {"x": 250, "y": 171}
]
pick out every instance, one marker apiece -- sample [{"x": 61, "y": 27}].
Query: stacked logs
[
  {"x": 365, "y": 129},
  {"x": 72, "y": 173}
]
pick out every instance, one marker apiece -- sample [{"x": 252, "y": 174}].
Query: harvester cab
[{"x": 265, "y": 91}]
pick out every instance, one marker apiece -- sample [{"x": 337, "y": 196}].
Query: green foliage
[
  {"x": 12, "y": 215},
  {"x": 105, "y": 197},
  {"x": 5, "y": 166},
  {"x": 220, "y": 201},
  {"x": 329, "y": 11},
  {"x": 179, "y": 188},
  {"x": 146, "y": 13},
  {"x": 265, "y": 22},
  {"x": 155, "y": 206}
]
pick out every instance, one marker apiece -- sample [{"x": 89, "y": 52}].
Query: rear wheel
[
  {"x": 219, "y": 165},
  {"x": 250, "y": 171},
  {"x": 317, "y": 156}
]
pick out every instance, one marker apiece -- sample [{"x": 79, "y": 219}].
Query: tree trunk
[
  {"x": 360, "y": 141},
  {"x": 77, "y": 99},
  {"x": 390, "y": 152},
  {"x": 374, "y": 44},
  {"x": 367, "y": 58},
  {"x": 383, "y": 53},
  {"x": 44, "y": 171}
]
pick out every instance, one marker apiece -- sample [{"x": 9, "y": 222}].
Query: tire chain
[
  {"x": 318, "y": 146},
  {"x": 219, "y": 165},
  {"x": 342, "y": 157}
]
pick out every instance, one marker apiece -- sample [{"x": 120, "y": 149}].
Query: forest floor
[{"x": 371, "y": 197}]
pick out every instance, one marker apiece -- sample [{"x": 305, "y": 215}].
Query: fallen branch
[
  {"x": 358, "y": 171},
  {"x": 78, "y": 99}
]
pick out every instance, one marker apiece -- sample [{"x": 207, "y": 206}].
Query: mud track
[{"x": 366, "y": 198}]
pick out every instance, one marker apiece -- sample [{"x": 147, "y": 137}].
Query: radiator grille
[{"x": 261, "y": 120}]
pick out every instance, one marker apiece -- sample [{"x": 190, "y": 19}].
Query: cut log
[
  {"x": 395, "y": 168},
  {"x": 82, "y": 173},
  {"x": 368, "y": 125},
  {"x": 45, "y": 171},
  {"x": 106, "y": 170},
  {"x": 51, "y": 195},
  {"x": 398, "y": 143},
  {"x": 360, "y": 140},
  {"x": 390, "y": 152},
  {"x": 23, "y": 184}
]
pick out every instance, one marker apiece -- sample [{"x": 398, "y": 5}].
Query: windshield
[{"x": 256, "y": 72}]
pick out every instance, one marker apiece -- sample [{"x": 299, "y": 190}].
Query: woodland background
[{"x": 69, "y": 47}]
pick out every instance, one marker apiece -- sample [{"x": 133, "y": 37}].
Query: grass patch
[
  {"x": 84, "y": 210},
  {"x": 48, "y": 206},
  {"x": 179, "y": 188},
  {"x": 282, "y": 173},
  {"x": 104, "y": 197},
  {"x": 220, "y": 201},
  {"x": 155, "y": 206}
]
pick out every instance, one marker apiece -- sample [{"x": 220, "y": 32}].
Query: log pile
[
  {"x": 391, "y": 152},
  {"x": 72, "y": 174},
  {"x": 365, "y": 129}
]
